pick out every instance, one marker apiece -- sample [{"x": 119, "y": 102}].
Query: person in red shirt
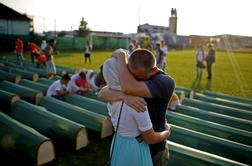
[
  {"x": 34, "y": 50},
  {"x": 19, "y": 49}
]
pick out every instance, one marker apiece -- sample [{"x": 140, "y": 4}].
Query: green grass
[{"x": 232, "y": 74}]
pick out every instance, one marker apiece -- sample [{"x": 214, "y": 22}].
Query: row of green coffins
[
  {"x": 218, "y": 139},
  {"x": 228, "y": 97},
  {"x": 59, "y": 129},
  {"x": 217, "y": 108},
  {"x": 242, "y": 124},
  {"x": 39, "y": 149},
  {"x": 20, "y": 141},
  {"x": 220, "y": 101},
  {"x": 176, "y": 151},
  {"x": 60, "y": 70}
]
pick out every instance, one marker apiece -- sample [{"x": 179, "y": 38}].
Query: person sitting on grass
[
  {"x": 78, "y": 83},
  {"x": 58, "y": 88}
]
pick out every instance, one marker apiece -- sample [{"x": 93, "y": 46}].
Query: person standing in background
[
  {"x": 50, "y": 66},
  {"x": 199, "y": 59},
  {"x": 19, "y": 49},
  {"x": 164, "y": 48},
  {"x": 210, "y": 59},
  {"x": 34, "y": 50},
  {"x": 88, "y": 50},
  {"x": 160, "y": 57}
]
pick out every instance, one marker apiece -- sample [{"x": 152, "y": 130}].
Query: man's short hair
[
  {"x": 65, "y": 77},
  {"x": 142, "y": 58}
]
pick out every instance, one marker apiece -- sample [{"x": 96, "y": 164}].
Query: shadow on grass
[{"x": 198, "y": 87}]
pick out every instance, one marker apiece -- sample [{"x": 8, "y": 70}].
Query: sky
[{"x": 195, "y": 17}]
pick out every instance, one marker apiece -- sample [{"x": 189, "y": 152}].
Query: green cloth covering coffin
[
  {"x": 19, "y": 140},
  {"x": 92, "y": 95},
  {"x": 66, "y": 69},
  {"x": 228, "y": 97},
  {"x": 215, "y": 117},
  {"x": 91, "y": 120},
  {"x": 215, "y": 145},
  {"x": 45, "y": 81},
  {"x": 87, "y": 103},
  {"x": 61, "y": 130},
  {"x": 13, "y": 65},
  {"x": 25, "y": 93},
  {"x": 26, "y": 74},
  {"x": 219, "y": 101},
  {"x": 41, "y": 71},
  {"x": 5, "y": 68},
  {"x": 9, "y": 76},
  {"x": 6, "y": 99},
  {"x": 214, "y": 129},
  {"x": 188, "y": 91},
  {"x": 34, "y": 85},
  {"x": 212, "y": 107},
  {"x": 181, "y": 155}
]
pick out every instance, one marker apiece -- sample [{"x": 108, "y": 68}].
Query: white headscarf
[{"x": 110, "y": 74}]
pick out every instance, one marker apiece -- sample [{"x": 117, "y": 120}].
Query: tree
[{"x": 83, "y": 29}]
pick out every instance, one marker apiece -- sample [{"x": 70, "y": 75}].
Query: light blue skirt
[{"x": 128, "y": 151}]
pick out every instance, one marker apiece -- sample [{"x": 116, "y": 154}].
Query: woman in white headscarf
[{"x": 134, "y": 131}]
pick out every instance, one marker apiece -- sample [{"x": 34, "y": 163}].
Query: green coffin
[
  {"x": 5, "y": 68},
  {"x": 91, "y": 120},
  {"x": 181, "y": 155},
  {"x": 25, "y": 93},
  {"x": 41, "y": 71},
  {"x": 188, "y": 91},
  {"x": 92, "y": 95},
  {"x": 19, "y": 140},
  {"x": 61, "y": 130},
  {"x": 66, "y": 69},
  {"x": 45, "y": 81},
  {"x": 87, "y": 103},
  {"x": 6, "y": 99},
  {"x": 25, "y": 74},
  {"x": 228, "y": 97},
  {"x": 210, "y": 128},
  {"x": 9, "y": 76},
  {"x": 14, "y": 65},
  {"x": 212, "y": 107},
  {"x": 219, "y": 101},
  {"x": 215, "y": 117},
  {"x": 218, "y": 146},
  {"x": 34, "y": 85}
]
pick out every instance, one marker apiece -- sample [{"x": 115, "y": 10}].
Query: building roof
[{"x": 8, "y": 13}]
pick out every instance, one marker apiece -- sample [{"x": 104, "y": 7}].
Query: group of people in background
[
  {"x": 43, "y": 55},
  {"x": 83, "y": 81},
  {"x": 209, "y": 58}
]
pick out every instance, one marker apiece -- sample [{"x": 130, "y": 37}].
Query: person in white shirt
[
  {"x": 135, "y": 130},
  {"x": 59, "y": 88},
  {"x": 200, "y": 58},
  {"x": 73, "y": 86}
]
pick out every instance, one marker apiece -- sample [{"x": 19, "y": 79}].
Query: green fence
[{"x": 7, "y": 42}]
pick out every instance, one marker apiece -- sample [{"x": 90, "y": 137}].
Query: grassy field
[{"x": 232, "y": 74}]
